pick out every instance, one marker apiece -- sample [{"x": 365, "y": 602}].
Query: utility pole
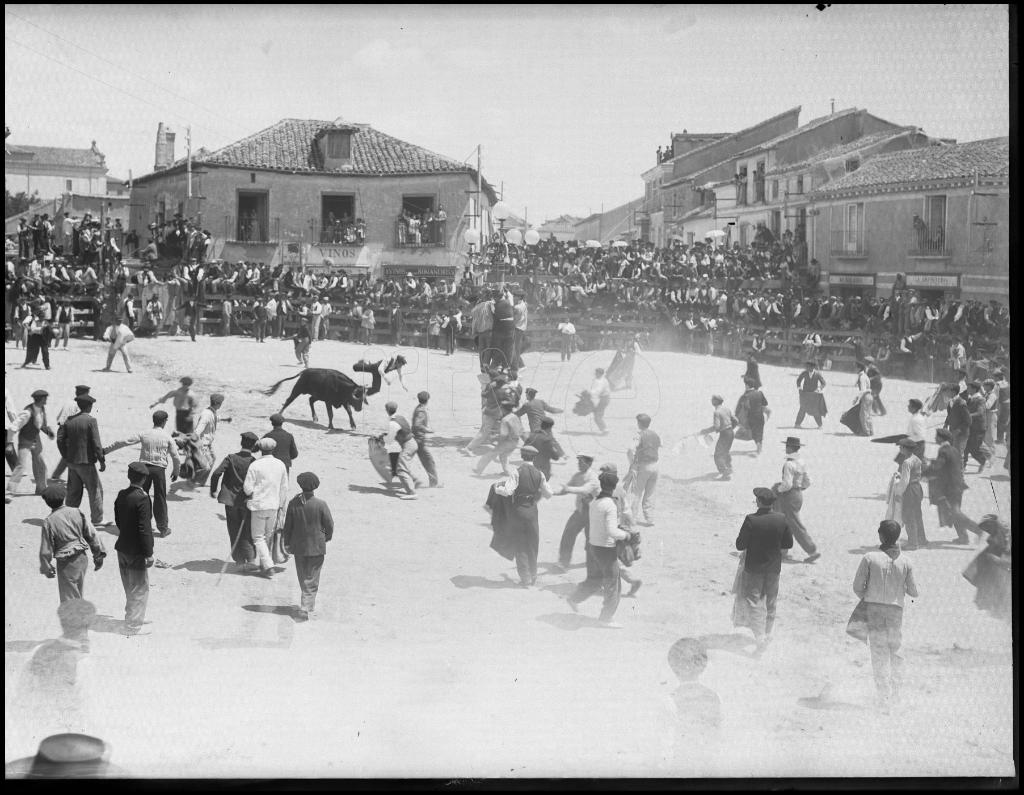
[{"x": 188, "y": 163}]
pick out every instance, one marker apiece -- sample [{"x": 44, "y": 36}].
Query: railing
[
  {"x": 252, "y": 230},
  {"x": 427, "y": 234},
  {"x": 923, "y": 246},
  {"x": 338, "y": 234},
  {"x": 845, "y": 243}
]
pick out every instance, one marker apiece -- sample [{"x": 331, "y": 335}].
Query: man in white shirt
[
  {"x": 866, "y": 399},
  {"x": 399, "y": 439},
  {"x": 601, "y": 395},
  {"x": 266, "y": 484},
  {"x": 325, "y": 317},
  {"x": 790, "y": 497},
  {"x": 315, "y": 316},
  {"x": 567, "y": 331},
  {"x": 916, "y": 426}
]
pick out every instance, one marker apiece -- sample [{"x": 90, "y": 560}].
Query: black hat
[
  {"x": 531, "y": 391},
  {"x": 137, "y": 468},
  {"x": 793, "y": 441},
  {"x": 764, "y": 495},
  {"x": 81, "y": 389},
  {"x": 547, "y": 422},
  {"x": 249, "y": 439},
  {"x": 85, "y": 400},
  {"x": 39, "y": 393},
  {"x": 308, "y": 481}
]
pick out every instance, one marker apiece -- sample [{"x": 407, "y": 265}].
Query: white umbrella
[
  {"x": 619, "y": 244},
  {"x": 593, "y": 244},
  {"x": 715, "y": 233}
]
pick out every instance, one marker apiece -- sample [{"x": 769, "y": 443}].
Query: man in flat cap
[
  {"x": 763, "y": 536},
  {"x": 548, "y": 448},
  {"x": 584, "y": 486},
  {"x": 535, "y": 409},
  {"x": 206, "y": 431},
  {"x": 29, "y": 423},
  {"x": 526, "y": 486},
  {"x": 401, "y": 447},
  {"x": 231, "y": 495},
  {"x": 156, "y": 449},
  {"x": 266, "y": 484},
  {"x": 286, "y": 450},
  {"x": 78, "y": 441},
  {"x": 133, "y": 515},
  {"x": 723, "y": 422},
  {"x": 67, "y": 411},
  {"x": 66, "y": 536},
  {"x": 308, "y": 526}
]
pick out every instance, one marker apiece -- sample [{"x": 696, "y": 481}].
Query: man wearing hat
[
  {"x": 78, "y": 441},
  {"x": 946, "y": 485},
  {"x": 908, "y": 490},
  {"x": 67, "y": 411},
  {"x": 266, "y": 484},
  {"x": 810, "y": 384},
  {"x": 399, "y": 440},
  {"x": 29, "y": 423},
  {"x": 975, "y": 447},
  {"x": 958, "y": 417},
  {"x": 723, "y": 423},
  {"x": 526, "y": 485},
  {"x": 510, "y": 433},
  {"x": 789, "y": 494},
  {"x": 535, "y": 410},
  {"x": 991, "y": 397},
  {"x": 185, "y": 405},
  {"x": 206, "y": 431},
  {"x": 420, "y": 429},
  {"x": 133, "y": 515},
  {"x": 548, "y": 448},
  {"x": 156, "y": 448},
  {"x": 286, "y": 451},
  {"x": 233, "y": 469},
  {"x": 66, "y": 535},
  {"x": 584, "y": 486},
  {"x": 643, "y": 463},
  {"x": 763, "y": 536},
  {"x": 308, "y": 526}
]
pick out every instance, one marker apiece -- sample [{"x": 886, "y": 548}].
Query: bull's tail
[{"x": 277, "y": 386}]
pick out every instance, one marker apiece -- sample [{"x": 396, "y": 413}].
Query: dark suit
[
  {"x": 308, "y": 526},
  {"x": 78, "y": 441},
  {"x": 286, "y": 449},
  {"x": 762, "y": 537},
  {"x": 133, "y": 515},
  {"x": 548, "y": 450},
  {"x": 946, "y": 488},
  {"x": 234, "y": 468}
]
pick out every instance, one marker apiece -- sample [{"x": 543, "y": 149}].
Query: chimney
[{"x": 164, "y": 148}]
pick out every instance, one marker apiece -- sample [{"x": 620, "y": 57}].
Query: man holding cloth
[
  {"x": 78, "y": 441},
  {"x": 526, "y": 485},
  {"x": 308, "y": 526},
  {"x": 763, "y": 536},
  {"x": 133, "y": 515},
  {"x": 266, "y": 484}
]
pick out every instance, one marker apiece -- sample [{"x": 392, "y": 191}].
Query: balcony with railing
[
  {"x": 252, "y": 230},
  {"x": 428, "y": 234},
  {"x": 927, "y": 246},
  {"x": 337, "y": 233},
  {"x": 848, "y": 244},
  {"x": 758, "y": 188}
]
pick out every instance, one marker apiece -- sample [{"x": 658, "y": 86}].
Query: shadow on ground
[
  {"x": 571, "y": 622},
  {"x": 475, "y": 581}
]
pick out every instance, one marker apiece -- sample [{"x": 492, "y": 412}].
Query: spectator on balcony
[{"x": 415, "y": 233}]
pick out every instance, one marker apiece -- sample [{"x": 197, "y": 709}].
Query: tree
[{"x": 18, "y": 202}]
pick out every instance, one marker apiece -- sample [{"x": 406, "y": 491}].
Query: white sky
[{"x": 569, "y": 102}]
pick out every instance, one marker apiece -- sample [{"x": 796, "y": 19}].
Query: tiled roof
[
  {"x": 57, "y": 156},
  {"x": 839, "y": 150},
  {"x": 987, "y": 158},
  {"x": 289, "y": 145},
  {"x": 803, "y": 128}
]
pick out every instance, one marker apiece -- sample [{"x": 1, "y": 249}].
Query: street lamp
[{"x": 502, "y": 212}]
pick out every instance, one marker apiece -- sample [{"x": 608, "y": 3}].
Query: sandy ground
[{"x": 426, "y": 659}]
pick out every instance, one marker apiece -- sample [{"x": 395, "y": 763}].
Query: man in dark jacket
[
  {"x": 308, "y": 526},
  {"x": 762, "y": 538},
  {"x": 946, "y": 485},
  {"x": 548, "y": 448},
  {"x": 78, "y": 441},
  {"x": 958, "y": 417},
  {"x": 975, "y": 446},
  {"x": 233, "y": 469},
  {"x": 133, "y": 515},
  {"x": 286, "y": 451}
]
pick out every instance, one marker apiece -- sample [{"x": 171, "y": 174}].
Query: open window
[
  {"x": 337, "y": 218},
  {"x": 253, "y": 216},
  {"x": 418, "y": 224}
]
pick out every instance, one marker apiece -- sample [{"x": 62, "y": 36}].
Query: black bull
[{"x": 333, "y": 388}]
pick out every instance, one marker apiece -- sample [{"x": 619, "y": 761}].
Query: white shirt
[
  {"x": 916, "y": 427},
  {"x": 600, "y": 388},
  {"x": 567, "y": 328},
  {"x": 266, "y": 483},
  {"x": 206, "y": 426},
  {"x": 604, "y": 523},
  {"x": 794, "y": 474}
]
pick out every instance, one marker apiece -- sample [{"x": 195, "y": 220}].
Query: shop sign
[
  {"x": 933, "y": 280},
  {"x": 391, "y": 270},
  {"x": 852, "y": 279}
]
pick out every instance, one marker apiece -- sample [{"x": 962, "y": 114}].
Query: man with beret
[
  {"x": 78, "y": 441},
  {"x": 233, "y": 469},
  {"x": 420, "y": 429},
  {"x": 525, "y": 485},
  {"x": 133, "y": 515},
  {"x": 763, "y": 535},
  {"x": 308, "y": 526},
  {"x": 285, "y": 450},
  {"x": 946, "y": 485},
  {"x": 510, "y": 433},
  {"x": 157, "y": 448},
  {"x": 66, "y": 535},
  {"x": 67, "y": 411},
  {"x": 585, "y": 486},
  {"x": 266, "y": 484},
  {"x": 548, "y": 448},
  {"x": 29, "y": 423},
  {"x": 185, "y": 405},
  {"x": 535, "y": 410}
]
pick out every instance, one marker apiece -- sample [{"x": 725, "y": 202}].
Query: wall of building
[
  {"x": 889, "y": 238},
  {"x": 51, "y": 183}
]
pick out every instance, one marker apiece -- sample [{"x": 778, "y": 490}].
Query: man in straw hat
[
  {"x": 789, "y": 494},
  {"x": 308, "y": 526},
  {"x": 763, "y": 537},
  {"x": 526, "y": 485}
]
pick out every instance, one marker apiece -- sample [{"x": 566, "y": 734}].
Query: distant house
[
  {"x": 939, "y": 215},
  {"x": 52, "y": 171},
  {"x": 563, "y": 228},
  {"x": 618, "y": 223},
  {"x": 282, "y": 194}
]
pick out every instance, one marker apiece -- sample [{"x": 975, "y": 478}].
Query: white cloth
[{"x": 266, "y": 483}]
